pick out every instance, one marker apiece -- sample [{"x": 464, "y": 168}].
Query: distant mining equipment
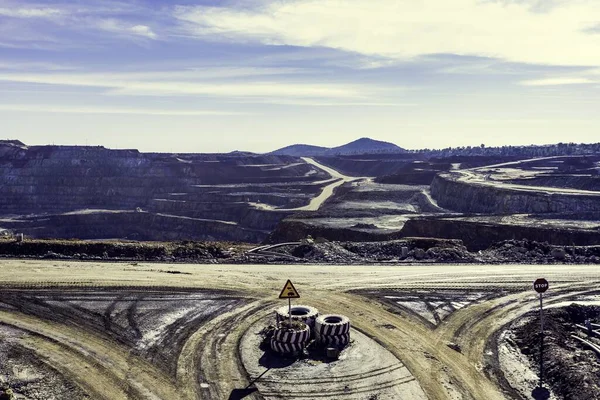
[{"x": 329, "y": 333}]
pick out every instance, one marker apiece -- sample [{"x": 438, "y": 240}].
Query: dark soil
[
  {"x": 408, "y": 249},
  {"x": 27, "y": 376},
  {"x": 572, "y": 371},
  {"x": 147, "y": 321},
  {"x": 532, "y": 252},
  {"x": 184, "y": 251}
]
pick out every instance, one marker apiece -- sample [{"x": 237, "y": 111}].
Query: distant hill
[
  {"x": 365, "y": 146},
  {"x": 298, "y": 150},
  {"x": 360, "y": 146}
]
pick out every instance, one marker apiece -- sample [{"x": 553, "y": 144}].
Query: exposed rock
[
  {"x": 479, "y": 233},
  {"x": 454, "y": 346},
  {"x": 467, "y": 197},
  {"x": 418, "y": 254},
  {"x": 92, "y": 192},
  {"x": 572, "y": 372},
  {"x": 558, "y": 253}
]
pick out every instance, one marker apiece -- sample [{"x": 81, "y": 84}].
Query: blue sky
[{"x": 217, "y": 76}]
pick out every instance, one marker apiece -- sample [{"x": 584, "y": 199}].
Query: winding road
[
  {"x": 337, "y": 180},
  {"x": 481, "y": 176}
]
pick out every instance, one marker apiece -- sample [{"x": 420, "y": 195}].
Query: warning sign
[{"x": 289, "y": 291}]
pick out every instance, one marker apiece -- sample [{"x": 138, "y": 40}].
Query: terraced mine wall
[
  {"x": 132, "y": 225},
  {"x": 368, "y": 165},
  {"x": 477, "y": 235},
  {"x": 293, "y": 230},
  {"x": 94, "y": 192},
  {"x": 478, "y": 198},
  {"x": 563, "y": 181}
]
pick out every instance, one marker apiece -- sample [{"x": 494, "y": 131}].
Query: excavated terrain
[
  {"x": 550, "y": 199},
  {"x": 94, "y": 192},
  {"x": 97, "y": 193},
  {"x": 130, "y": 331},
  {"x": 572, "y": 371}
]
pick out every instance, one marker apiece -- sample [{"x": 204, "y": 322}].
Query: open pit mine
[{"x": 129, "y": 275}]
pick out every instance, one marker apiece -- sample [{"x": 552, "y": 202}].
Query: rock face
[
  {"x": 291, "y": 230},
  {"x": 454, "y": 194},
  {"x": 478, "y": 234},
  {"x": 94, "y": 192}
]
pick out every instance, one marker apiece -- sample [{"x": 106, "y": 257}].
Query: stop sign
[{"x": 540, "y": 285}]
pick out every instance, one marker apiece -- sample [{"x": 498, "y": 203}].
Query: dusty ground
[
  {"x": 572, "y": 370},
  {"x": 64, "y": 304},
  {"x": 364, "y": 370}
]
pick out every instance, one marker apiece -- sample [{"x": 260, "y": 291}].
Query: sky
[{"x": 257, "y": 75}]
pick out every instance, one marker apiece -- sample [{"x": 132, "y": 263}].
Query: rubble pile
[
  {"x": 529, "y": 251},
  {"x": 110, "y": 250},
  {"x": 572, "y": 371},
  {"x": 406, "y": 250}
]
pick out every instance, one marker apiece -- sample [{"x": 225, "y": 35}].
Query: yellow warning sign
[{"x": 289, "y": 291}]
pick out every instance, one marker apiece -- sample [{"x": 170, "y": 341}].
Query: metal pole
[
  {"x": 541, "y": 341},
  {"x": 290, "y": 310}
]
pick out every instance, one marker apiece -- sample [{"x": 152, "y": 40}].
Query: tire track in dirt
[
  {"x": 107, "y": 316},
  {"x": 436, "y": 368},
  {"x": 346, "y": 378},
  {"x": 211, "y": 355},
  {"x": 332, "y": 394},
  {"x": 475, "y": 326},
  {"x": 83, "y": 356},
  {"x": 209, "y": 366}
]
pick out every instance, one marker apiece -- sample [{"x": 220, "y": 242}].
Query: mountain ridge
[{"x": 360, "y": 146}]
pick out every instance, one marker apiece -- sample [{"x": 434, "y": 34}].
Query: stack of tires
[
  {"x": 290, "y": 339},
  {"x": 306, "y": 314},
  {"x": 332, "y": 330}
]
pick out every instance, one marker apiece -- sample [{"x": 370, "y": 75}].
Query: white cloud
[
  {"x": 34, "y": 66},
  {"x": 143, "y": 30},
  {"x": 113, "y": 110},
  {"x": 558, "y": 81},
  {"x": 517, "y": 31},
  {"x": 121, "y": 27},
  {"x": 30, "y": 12},
  {"x": 137, "y": 84}
]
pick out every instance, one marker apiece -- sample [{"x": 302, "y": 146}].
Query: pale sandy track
[{"x": 208, "y": 366}]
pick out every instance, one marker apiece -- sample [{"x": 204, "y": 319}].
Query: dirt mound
[
  {"x": 529, "y": 251},
  {"x": 411, "y": 249},
  {"x": 571, "y": 371},
  {"x": 188, "y": 251},
  {"x": 326, "y": 252}
]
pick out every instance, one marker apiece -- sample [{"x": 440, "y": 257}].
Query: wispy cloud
[
  {"x": 558, "y": 81},
  {"x": 516, "y": 31},
  {"x": 68, "y": 21},
  {"x": 114, "y": 110},
  {"x": 30, "y": 12},
  {"x": 124, "y": 28},
  {"x": 135, "y": 84},
  {"x": 9, "y": 65},
  {"x": 592, "y": 29}
]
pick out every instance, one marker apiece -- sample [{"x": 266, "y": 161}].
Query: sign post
[
  {"x": 289, "y": 292},
  {"x": 541, "y": 285}
]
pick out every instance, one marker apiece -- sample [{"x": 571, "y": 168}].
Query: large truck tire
[
  {"x": 331, "y": 325},
  {"x": 334, "y": 340},
  {"x": 299, "y": 335},
  {"x": 285, "y": 348},
  {"x": 306, "y": 314}
]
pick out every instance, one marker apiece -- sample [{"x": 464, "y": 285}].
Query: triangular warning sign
[{"x": 289, "y": 291}]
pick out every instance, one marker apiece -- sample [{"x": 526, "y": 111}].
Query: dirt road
[
  {"x": 106, "y": 366},
  {"x": 337, "y": 180}
]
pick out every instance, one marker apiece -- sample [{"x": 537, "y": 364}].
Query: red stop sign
[{"x": 540, "y": 285}]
